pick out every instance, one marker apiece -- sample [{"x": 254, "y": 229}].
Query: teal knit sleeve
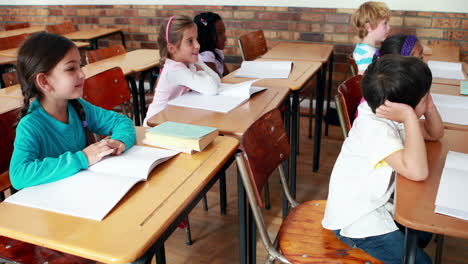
[
  {"x": 105, "y": 122},
  {"x": 27, "y": 169}
]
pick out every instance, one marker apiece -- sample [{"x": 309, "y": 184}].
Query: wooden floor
[{"x": 216, "y": 236}]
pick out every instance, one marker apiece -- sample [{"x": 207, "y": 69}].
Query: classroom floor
[{"x": 216, "y": 236}]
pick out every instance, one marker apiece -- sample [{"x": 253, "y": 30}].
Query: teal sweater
[{"x": 47, "y": 150}]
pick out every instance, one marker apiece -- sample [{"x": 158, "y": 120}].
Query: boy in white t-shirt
[{"x": 387, "y": 136}]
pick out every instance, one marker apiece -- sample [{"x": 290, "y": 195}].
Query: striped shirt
[{"x": 363, "y": 55}]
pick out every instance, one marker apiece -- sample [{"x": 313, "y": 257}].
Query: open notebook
[
  {"x": 229, "y": 97},
  {"x": 447, "y": 70},
  {"x": 265, "y": 69},
  {"x": 452, "y": 195},
  {"x": 92, "y": 193},
  {"x": 453, "y": 109}
]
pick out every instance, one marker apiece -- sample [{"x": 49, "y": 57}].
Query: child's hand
[
  {"x": 198, "y": 67},
  {"x": 117, "y": 145},
  {"x": 429, "y": 102},
  {"x": 95, "y": 152},
  {"x": 395, "y": 111}
]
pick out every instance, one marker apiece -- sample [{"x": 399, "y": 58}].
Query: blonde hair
[
  {"x": 372, "y": 13},
  {"x": 176, "y": 32}
]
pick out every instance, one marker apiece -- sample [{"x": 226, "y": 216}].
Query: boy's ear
[
  {"x": 368, "y": 27},
  {"x": 43, "y": 83}
]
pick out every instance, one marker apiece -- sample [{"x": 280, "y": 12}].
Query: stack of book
[{"x": 180, "y": 137}]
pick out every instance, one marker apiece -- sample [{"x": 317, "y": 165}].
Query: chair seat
[
  {"x": 302, "y": 239},
  {"x": 16, "y": 251}
]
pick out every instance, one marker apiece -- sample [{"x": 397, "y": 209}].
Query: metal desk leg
[
  {"x": 439, "y": 249},
  {"x": 122, "y": 37},
  {"x": 287, "y": 126},
  {"x": 160, "y": 255},
  {"x": 252, "y": 238},
  {"x": 318, "y": 116},
  {"x": 241, "y": 205},
  {"x": 141, "y": 93},
  {"x": 330, "y": 81},
  {"x": 294, "y": 141},
  {"x": 134, "y": 89},
  {"x": 222, "y": 191},
  {"x": 411, "y": 239}
]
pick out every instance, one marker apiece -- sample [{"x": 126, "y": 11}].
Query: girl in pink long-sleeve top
[{"x": 182, "y": 70}]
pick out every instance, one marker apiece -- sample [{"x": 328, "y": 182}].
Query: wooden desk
[
  {"x": 27, "y": 30},
  {"x": 444, "y": 53},
  {"x": 310, "y": 52},
  {"x": 139, "y": 223},
  {"x": 4, "y": 60},
  {"x": 415, "y": 201},
  {"x": 13, "y": 91},
  {"x": 9, "y": 103},
  {"x": 92, "y": 35},
  {"x": 13, "y": 53},
  {"x": 137, "y": 61}
]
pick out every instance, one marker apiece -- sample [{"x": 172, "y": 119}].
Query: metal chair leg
[{"x": 188, "y": 234}]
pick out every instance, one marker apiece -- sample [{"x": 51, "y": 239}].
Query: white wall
[{"x": 458, "y": 6}]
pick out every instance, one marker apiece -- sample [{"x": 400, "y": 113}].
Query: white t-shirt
[
  {"x": 208, "y": 56},
  {"x": 361, "y": 182}
]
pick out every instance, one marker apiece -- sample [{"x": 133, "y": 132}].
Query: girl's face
[
  {"x": 221, "y": 34},
  {"x": 66, "y": 79},
  {"x": 418, "y": 51},
  {"x": 187, "y": 50}
]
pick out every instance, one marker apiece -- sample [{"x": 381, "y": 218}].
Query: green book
[
  {"x": 180, "y": 137},
  {"x": 464, "y": 87}
]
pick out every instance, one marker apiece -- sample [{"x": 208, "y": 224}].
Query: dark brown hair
[{"x": 40, "y": 53}]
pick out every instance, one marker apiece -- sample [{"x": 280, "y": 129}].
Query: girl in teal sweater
[{"x": 53, "y": 137}]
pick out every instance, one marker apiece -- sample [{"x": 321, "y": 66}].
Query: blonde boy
[{"x": 371, "y": 21}]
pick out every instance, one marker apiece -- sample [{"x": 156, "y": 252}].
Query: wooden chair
[
  {"x": 11, "y": 250},
  {"x": 301, "y": 238},
  {"x": 12, "y": 42},
  {"x": 252, "y": 45},
  {"x": 108, "y": 90},
  {"x": 16, "y": 26},
  {"x": 347, "y": 100},
  {"x": 104, "y": 53},
  {"x": 352, "y": 65},
  {"x": 10, "y": 78},
  {"x": 61, "y": 29}
]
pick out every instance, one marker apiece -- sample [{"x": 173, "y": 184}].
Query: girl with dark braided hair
[{"x": 53, "y": 137}]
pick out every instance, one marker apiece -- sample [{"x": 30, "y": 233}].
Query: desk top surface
[
  {"x": 89, "y": 34},
  {"x": 415, "y": 201},
  {"x": 11, "y": 91},
  {"x": 300, "y": 51},
  {"x": 13, "y": 53},
  {"x": 301, "y": 73},
  {"x": 234, "y": 123},
  {"x": 10, "y": 103},
  {"x": 19, "y": 31},
  {"x": 135, "y": 223},
  {"x": 130, "y": 62}
]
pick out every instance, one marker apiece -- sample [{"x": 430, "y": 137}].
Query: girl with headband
[{"x": 182, "y": 70}]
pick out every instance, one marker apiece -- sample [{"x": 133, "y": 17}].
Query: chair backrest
[
  {"x": 16, "y": 26},
  {"x": 349, "y": 94},
  {"x": 61, "y": 29},
  {"x": 352, "y": 64},
  {"x": 12, "y": 42},
  {"x": 104, "y": 53},
  {"x": 10, "y": 78},
  {"x": 264, "y": 146},
  {"x": 252, "y": 45},
  {"x": 8, "y": 122},
  {"x": 107, "y": 89}
]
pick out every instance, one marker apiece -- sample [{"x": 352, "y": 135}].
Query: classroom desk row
[{"x": 144, "y": 219}]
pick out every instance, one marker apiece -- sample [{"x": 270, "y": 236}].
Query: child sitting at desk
[
  {"x": 212, "y": 38},
  {"x": 371, "y": 21},
  {"x": 53, "y": 138},
  {"x": 182, "y": 69},
  {"x": 387, "y": 136},
  {"x": 405, "y": 45}
]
